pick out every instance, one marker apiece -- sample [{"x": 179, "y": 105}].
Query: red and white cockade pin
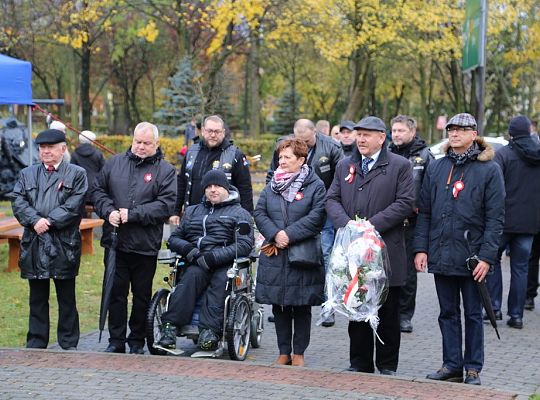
[
  {"x": 147, "y": 177},
  {"x": 350, "y": 178},
  {"x": 299, "y": 196},
  {"x": 458, "y": 187}
]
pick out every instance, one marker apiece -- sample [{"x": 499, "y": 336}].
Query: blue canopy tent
[{"x": 16, "y": 87}]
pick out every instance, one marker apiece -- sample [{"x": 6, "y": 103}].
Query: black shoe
[
  {"x": 208, "y": 340},
  {"x": 406, "y": 326},
  {"x": 515, "y": 323},
  {"x": 498, "y": 316},
  {"x": 352, "y": 369},
  {"x": 445, "y": 374},
  {"x": 168, "y": 336},
  {"x": 387, "y": 372},
  {"x": 472, "y": 377},
  {"x": 529, "y": 303},
  {"x": 115, "y": 349},
  {"x": 270, "y": 318},
  {"x": 72, "y": 348},
  {"x": 136, "y": 349},
  {"x": 330, "y": 321}
]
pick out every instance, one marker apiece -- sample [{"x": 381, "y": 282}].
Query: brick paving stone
[{"x": 512, "y": 366}]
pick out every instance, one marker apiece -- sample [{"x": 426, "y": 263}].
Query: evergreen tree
[
  {"x": 286, "y": 113},
  {"x": 184, "y": 99}
]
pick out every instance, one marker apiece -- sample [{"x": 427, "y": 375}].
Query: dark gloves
[
  {"x": 207, "y": 261},
  {"x": 193, "y": 253}
]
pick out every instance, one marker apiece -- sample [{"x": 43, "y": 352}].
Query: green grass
[{"x": 14, "y": 307}]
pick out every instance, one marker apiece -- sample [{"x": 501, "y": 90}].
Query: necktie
[
  {"x": 365, "y": 163},
  {"x": 50, "y": 168}
]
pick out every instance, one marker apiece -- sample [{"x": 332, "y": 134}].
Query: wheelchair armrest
[
  {"x": 166, "y": 256},
  {"x": 243, "y": 262}
]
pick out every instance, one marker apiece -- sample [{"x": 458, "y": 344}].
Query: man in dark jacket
[
  {"x": 88, "y": 157},
  {"x": 520, "y": 164},
  {"x": 378, "y": 185},
  {"x": 408, "y": 144},
  {"x": 135, "y": 193},
  {"x": 462, "y": 194},
  {"x": 324, "y": 155},
  {"x": 47, "y": 200},
  {"x": 206, "y": 239},
  {"x": 347, "y": 137},
  {"x": 214, "y": 151}
]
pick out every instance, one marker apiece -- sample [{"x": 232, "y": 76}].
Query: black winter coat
[
  {"x": 278, "y": 282},
  {"x": 59, "y": 197},
  {"x": 478, "y": 208},
  {"x": 385, "y": 197},
  {"x": 147, "y": 188},
  {"x": 91, "y": 159},
  {"x": 323, "y": 158},
  {"x": 210, "y": 228},
  {"x": 521, "y": 171},
  {"x": 207, "y": 158}
]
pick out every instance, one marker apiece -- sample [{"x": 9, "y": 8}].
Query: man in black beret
[
  {"x": 205, "y": 238},
  {"x": 47, "y": 201}
]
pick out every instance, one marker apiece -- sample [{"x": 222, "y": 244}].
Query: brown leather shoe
[
  {"x": 283, "y": 359},
  {"x": 297, "y": 360}
]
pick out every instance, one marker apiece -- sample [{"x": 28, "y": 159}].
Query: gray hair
[
  {"x": 145, "y": 127},
  {"x": 214, "y": 118},
  {"x": 404, "y": 119}
]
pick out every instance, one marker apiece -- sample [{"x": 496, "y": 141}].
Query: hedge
[{"x": 171, "y": 146}]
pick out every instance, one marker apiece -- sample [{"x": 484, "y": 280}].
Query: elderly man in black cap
[
  {"x": 48, "y": 202},
  {"x": 460, "y": 217},
  {"x": 205, "y": 238},
  {"x": 378, "y": 185},
  {"x": 520, "y": 162}
]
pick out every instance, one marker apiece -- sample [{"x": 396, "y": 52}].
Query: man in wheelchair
[{"x": 206, "y": 239}]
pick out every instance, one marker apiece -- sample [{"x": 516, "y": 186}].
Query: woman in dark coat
[{"x": 291, "y": 290}]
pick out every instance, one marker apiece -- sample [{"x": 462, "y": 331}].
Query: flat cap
[
  {"x": 50, "y": 136},
  {"x": 463, "y": 119},
  {"x": 371, "y": 124},
  {"x": 347, "y": 125}
]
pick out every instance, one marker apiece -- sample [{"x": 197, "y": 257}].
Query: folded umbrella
[{"x": 108, "y": 280}]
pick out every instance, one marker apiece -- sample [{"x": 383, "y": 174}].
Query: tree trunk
[
  {"x": 360, "y": 68},
  {"x": 254, "y": 81},
  {"x": 86, "y": 105}
]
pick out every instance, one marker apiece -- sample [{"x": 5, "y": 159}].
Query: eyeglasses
[
  {"x": 460, "y": 129},
  {"x": 213, "y": 131}
]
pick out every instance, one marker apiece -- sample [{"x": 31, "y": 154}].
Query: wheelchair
[{"x": 243, "y": 321}]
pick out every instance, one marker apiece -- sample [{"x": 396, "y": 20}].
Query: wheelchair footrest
[
  {"x": 209, "y": 354},
  {"x": 174, "y": 352}
]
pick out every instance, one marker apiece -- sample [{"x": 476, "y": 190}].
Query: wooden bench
[
  {"x": 8, "y": 223},
  {"x": 14, "y": 237}
]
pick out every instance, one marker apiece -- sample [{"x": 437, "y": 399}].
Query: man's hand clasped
[{"x": 118, "y": 217}]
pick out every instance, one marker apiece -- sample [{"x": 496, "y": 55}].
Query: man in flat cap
[
  {"x": 347, "y": 137},
  {"x": 460, "y": 217},
  {"x": 205, "y": 238},
  {"x": 48, "y": 202},
  {"x": 375, "y": 184}
]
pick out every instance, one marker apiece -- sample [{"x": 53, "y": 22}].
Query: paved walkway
[{"x": 512, "y": 367}]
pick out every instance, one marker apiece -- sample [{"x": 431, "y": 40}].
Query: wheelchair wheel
[
  {"x": 158, "y": 305},
  {"x": 256, "y": 335},
  {"x": 238, "y": 329}
]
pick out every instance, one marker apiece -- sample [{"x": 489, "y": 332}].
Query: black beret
[{"x": 50, "y": 136}]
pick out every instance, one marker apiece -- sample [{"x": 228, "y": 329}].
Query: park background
[{"x": 261, "y": 64}]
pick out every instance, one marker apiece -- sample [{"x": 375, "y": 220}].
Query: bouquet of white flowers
[{"x": 357, "y": 275}]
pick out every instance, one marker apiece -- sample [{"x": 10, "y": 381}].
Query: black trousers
[
  {"x": 532, "y": 276},
  {"x": 194, "y": 283},
  {"x": 362, "y": 338},
  {"x": 407, "y": 301},
  {"x": 293, "y": 324},
  {"x": 135, "y": 271},
  {"x": 68, "y": 317}
]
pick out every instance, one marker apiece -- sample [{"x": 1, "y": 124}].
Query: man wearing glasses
[
  {"x": 463, "y": 191},
  {"x": 214, "y": 151}
]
